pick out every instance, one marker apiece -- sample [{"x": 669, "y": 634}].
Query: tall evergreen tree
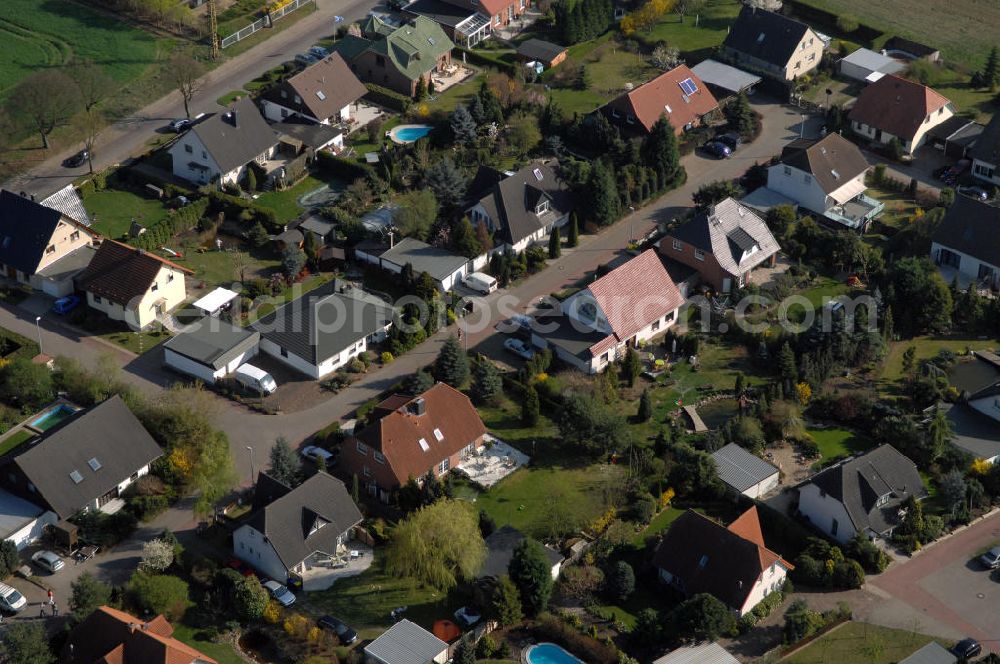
[
  {"x": 284, "y": 464},
  {"x": 448, "y": 183},
  {"x": 487, "y": 384},
  {"x": 452, "y": 365},
  {"x": 530, "y": 407},
  {"x": 645, "y": 407},
  {"x": 631, "y": 366},
  {"x": 531, "y": 572},
  {"x": 573, "y": 236},
  {"x": 991, "y": 72},
  {"x": 740, "y": 115},
  {"x": 492, "y": 110},
  {"x": 463, "y": 126},
  {"x": 787, "y": 367},
  {"x": 417, "y": 383},
  {"x": 465, "y": 652},
  {"x": 659, "y": 150},
  {"x": 463, "y": 239},
  {"x": 603, "y": 194},
  {"x": 554, "y": 243}
]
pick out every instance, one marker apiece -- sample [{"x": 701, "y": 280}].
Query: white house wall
[
  {"x": 763, "y": 487},
  {"x": 910, "y": 143},
  {"x": 186, "y": 365},
  {"x": 182, "y": 157},
  {"x": 250, "y": 546},
  {"x": 988, "y": 406},
  {"x": 791, "y": 182},
  {"x": 968, "y": 265},
  {"x": 32, "y": 532},
  {"x": 770, "y": 581},
  {"x": 822, "y": 510},
  {"x": 321, "y": 370},
  {"x": 985, "y": 171}
]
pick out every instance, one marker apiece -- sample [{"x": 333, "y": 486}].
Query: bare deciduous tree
[
  {"x": 185, "y": 72},
  {"x": 93, "y": 83},
  {"x": 89, "y": 126},
  {"x": 685, "y": 7},
  {"x": 46, "y": 99}
]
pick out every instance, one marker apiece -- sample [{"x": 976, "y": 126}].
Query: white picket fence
[{"x": 260, "y": 24}]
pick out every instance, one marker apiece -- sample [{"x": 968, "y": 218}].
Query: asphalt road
[{"x": 130, "y": 136}]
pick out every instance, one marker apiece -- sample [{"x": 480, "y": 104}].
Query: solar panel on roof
[{"x": 688, "y": 86}]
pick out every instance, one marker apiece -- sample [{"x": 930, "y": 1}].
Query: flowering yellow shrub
[
  {"x": 804, "y": 393},
  {"x": 981, "y": 466},
  {"x": 666, "y": 497},
  {"x": 602, "y": 522},
  {"x": 272, "y": 612}
]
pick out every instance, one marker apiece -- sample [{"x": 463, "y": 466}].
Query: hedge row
[
  {"x": 388, "y": 98},
  {"x": 235, "y": 207},
  {"x": 348, "y": 170},
  {"x": 487, "y": 59},
  {"x": 182, "y": 220}
]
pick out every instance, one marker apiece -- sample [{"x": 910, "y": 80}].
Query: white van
[
  {"x": 256, "y": 379},
  {"x": 11, "y": 600},
  {"x": 481, "y": 283}
]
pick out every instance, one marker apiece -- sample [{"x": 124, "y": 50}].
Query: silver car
[
  {"x": 47, "y": 560},
  {"x": 991, "y": 559},
  {"x": 280, "y": 593},
  {"x": 519, "y": 348}
]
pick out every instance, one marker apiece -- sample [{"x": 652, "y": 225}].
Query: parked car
[
  {"x": 519, "y": 348},
  {"x": 319, "y": 52},
  {"x": 346, "y": 635},
  {"x": 306, "y": 59},
  {"x": 64, "y": 305},
  {"x": 951, "y": 175},
  {"x": 48, "y": 560},
  {"x": 991, "y": 559},
  {"x": 978, "y": 193},
  {"x": 718, "y": 150},
  {"x": 280, "y": 592},
  {"x": 179, "y": 125},
  {"x": 11, "y": 601},
  {"x": 79, "y": 159},
  {"x": 466, "y": 617},
  {"x": 314, "y": 453},
  {"x": 516, "y": 323},
  {"x": 256, "y": 379},
  {"x": 730, "y": 139},
  {"x": 967, "y": 649}
]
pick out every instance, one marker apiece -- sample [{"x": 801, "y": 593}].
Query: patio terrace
[
  {"x": 322, "y": 570},
  {"x": 492, "y": 462}
]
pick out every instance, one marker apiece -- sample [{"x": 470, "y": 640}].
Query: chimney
[
  {"x": 234, "y": 117},
  {"x": 131, "y": 626},
  {"x": 418, "y": 406},
  {"x": 145, "y": 626}
]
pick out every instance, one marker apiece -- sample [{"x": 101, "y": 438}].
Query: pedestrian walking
[
  {"x": 41, "y": 611},
  {"x": 52, "y": 597},
  {"x": 55, "y": 609}
]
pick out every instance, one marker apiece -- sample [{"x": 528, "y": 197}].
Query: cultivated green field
[
  {"x": 34, "y": 35},
  {"x": 964, "y": 30}
]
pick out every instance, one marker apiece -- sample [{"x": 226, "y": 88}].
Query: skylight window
[
  {"x": 703, "y": 561},
  {"x": 835, "y": 174},
  {"x": 760, "y": 37},
  {"x": 76, "y": 477},
  {"x": 430, "y": 40},
  {"x": 668, "y": 109},
  {"x": 538, "y": 174},
  {"x": 6, "y": 241},
  {"x": 688, "y": 86},
  {"x": 438, "y": 435},
  {"x": 94, "y": 464},
  {"x": 322, "y": 97},
  {"x": 423, "y": 445}
]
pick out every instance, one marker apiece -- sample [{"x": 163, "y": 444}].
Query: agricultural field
[{"x": 956, "y": 27}]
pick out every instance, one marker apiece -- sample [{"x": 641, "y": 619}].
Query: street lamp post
[
  {"x": 38, "y": 328},
  {"x": 252, "y": 473},
  {"x": 631, "y": 224}
]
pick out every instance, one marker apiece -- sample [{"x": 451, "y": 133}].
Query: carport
[{"x": 955, "y": 136}]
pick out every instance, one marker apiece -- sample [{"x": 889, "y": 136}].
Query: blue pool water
[
  {"x": 53, "y": 417},
  {"x": 410, "y": 134},
  {"x": 550, "y": 653}
]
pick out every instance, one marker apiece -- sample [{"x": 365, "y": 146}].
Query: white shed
[
  {"x": 744, "y": 472},
  {"x": 869, "y": 66},
  {"x": 215, "y": 301}
]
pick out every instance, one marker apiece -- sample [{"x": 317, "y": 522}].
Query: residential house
[
  {"x": 84, "y": 463},
  {"x": 539, "y": 50},
  {"x": 293, "y": 530},
  {"x": 40, "y": 246},
  {"x": 396, "y": 57},
  {"x": 826, "y": 176},
  {"x": 407, "y": 643},
  {"x": 500, "y": 545},
  {"x": 520, "y": 208},
  {"x": 629, "y": 305},
  {"x": 745, "y": 473},
  {"x": 699, "y": 653},
  {"x": 862, "y": 494},
  {"x": 469, "y": 22},
  {"x": 932, "y": 653},
  {"x": 772, "y": 45},
  {"x": 298, "y": 138},
  {"x": 698, "y": 555},
  {"x": 220, "y": 148},
  {"x": 678, "y": 94},
  {"x": 68, "y": 201},
  {"x": 211, "y": 349},
  {"x": 132, "y": 285},
  {"x": 322, "y": 93},
  {"x": 446, "y": 269},
  {"x": 412, "y": 436},
  {"x": 324, "y": 329},
  {"x": 868, "y": 66},
  {"x": 21, "y": 521},
  {"x": 111, "y": 636},
  {"x": 724, "y": 243},
  {"x": 966, "y": 244},
  {"x": 985, "y": 153},
  {"x": 894, "y": 107},
  {"x": 975, "y": 418}
]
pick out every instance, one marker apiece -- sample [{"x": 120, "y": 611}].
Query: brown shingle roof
[
  {"x": 650, "y": 100},
  {"x": 110, "y": 636},
  {"x": 121, "y": 273},
  {"x": 833, "y": 160},
  {"x": 896, "y": 105},
  {"x": 323, "y": 88}
]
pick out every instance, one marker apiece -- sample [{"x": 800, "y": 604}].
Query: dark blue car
[
  {"x": 718, "y": 150},
  {"x": 64, "y": 305}
]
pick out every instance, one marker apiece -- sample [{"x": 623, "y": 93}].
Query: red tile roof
[
  {"x": 747, "y": 526},
  {"x": 635, "y": 294},
  {"x": 650, "y": 100},
  {"x": 110, "y": 636},
  {"x": 896, "y": 105},
  {"x": 398, "y": 433},
  {"x": 120, "y": 273}
]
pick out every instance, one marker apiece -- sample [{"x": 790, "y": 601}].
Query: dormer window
[
  {"x": 699, "y": 254},
  {"x": 678, "y": 246},
  {"x": 587, "y": 312},
  {"x": 703, "y": 561},
  {"x": 298, "y": 99},
  {"x": 74, "y": 236},
  {"x": 542, "y": 207},
  {"x": 807, "y": 178},
  {"x": 50, "y": 249}
]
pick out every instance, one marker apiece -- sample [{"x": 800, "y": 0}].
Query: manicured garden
[
  {"x": 861, "y": 643},
  {"x": 927, "y": 347},
  {"x": 836, "y": 443},
  {"x": 15, "y": 439},
  {"x": 113, "y": 210},
  {"x": 711, "y": 28},
  {"x": 285, "y": 203},
  {"x": 221, "y": 652}
]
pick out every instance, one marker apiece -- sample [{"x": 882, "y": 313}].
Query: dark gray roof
[
  {"x": 108, "y": 433},
  {"x": 25, "y": 230},
  {"x": 317, "y": 225},
  {"x": 741, "y": 469},
  {"x": 233, "y": 143},
  {"x": 723, "y": 229},
  {"x": 974, "y": 432},
  {"x": 987, "y": 147},
  {"x": 859, "y": 482},
  {"x": 500, "y": 549},
  {"x": 307, "y": 519},
  {"x": 932, "y": 653},
  {"x": 312, "y": 135},
  {"x": 406, "y": 643},
  {"x": 970, "y": 226},
  {"x": 213, "y": 342},
  {"x": 511, "y": 202},
  {"x": 439, "y": 263},
  {"x": 833, "y": 160},
  {"x": 324, "y": 321},
  {"x": 781, "y": 35},
  {"x": 69, "y": 265},
  {"x": 439, "y": 11},
  {"x": 539, "y": 49},
  {"x": 566, "y": 335},
  {"x": 958, "y": 130},
  {"x": 724, "y": 76}
]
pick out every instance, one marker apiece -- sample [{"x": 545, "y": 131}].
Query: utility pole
[{"x": 213, "y": 29}]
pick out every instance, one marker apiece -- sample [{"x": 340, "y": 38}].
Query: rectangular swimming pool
[{"x": 53, "y": 417}]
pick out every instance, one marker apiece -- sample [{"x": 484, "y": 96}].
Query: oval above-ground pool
[
  {"x": 409, "y": 133},
  {"x": 549, "y": 653}
]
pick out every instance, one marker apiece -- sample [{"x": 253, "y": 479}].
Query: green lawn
[
  {"x": 15, "y": 439},
  {"x": 137, "y": 342},
  {"x": 713, "y": 24},
  {"x": 230, "y": 97},
  {"x": 455, "y": 95},
  {"x": 609, "y": 69},
  {"x": 286, "y": 203},
  {"x": 836, "y": 443},
  {"x": 826, "y": 288},
  {"x": 861, "y": 643},
  {"x": 927, "y": 347},
  {"x": 112, "y": 211},
  {"x": 220, "y": 267},
  {"x": 221, "y": 652}
]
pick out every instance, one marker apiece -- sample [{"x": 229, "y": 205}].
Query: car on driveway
[
  {"x": 314, "y": 453},
  {"x": 718, "y": 149},
  {"x": 516, "y": 323},
  {"x": 346, "y": 635},
  {"x": 319, "y": 52},
  {"x": 991, "y": 559},
  {"x": 280, "y": 592},
  {"x": 466, "y": 617},
  {"x": 64, "y": 305},
  {"x": 48, "y": 560},
  {"x": 730, "y": 139},
  {"x": 967, "y": 649},
  {"x": 977, "y": 193},
  {"x": 77, "y": 160},
  {"x": 11, "y": 600},
  {"x": 519, "y": 348},
  {"x": 306, "y": 59}
]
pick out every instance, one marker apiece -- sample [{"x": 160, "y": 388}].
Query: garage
[
  {"x": 210, "y": 349},
  {"x": 745, "y": 473},
  {"x": 22, "y": 522}
]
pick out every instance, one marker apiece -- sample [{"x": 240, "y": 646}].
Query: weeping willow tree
[{"x": 438, "y": 545}]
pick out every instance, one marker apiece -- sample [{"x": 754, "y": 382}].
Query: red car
[{"x": 240, "y": 566}]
